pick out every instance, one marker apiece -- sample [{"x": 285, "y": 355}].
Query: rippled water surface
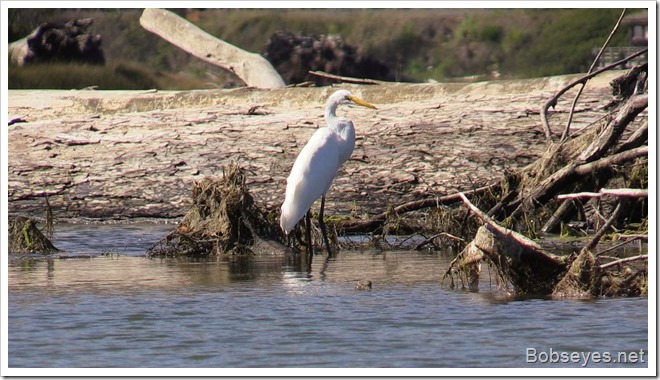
[{"x": 124, "y": 310}]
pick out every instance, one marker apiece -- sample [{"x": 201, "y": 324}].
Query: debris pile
[
  {"x": 223, "y": 219},
  {"x": 295, "y": 55},
  {"x": 50, "y": 42}
]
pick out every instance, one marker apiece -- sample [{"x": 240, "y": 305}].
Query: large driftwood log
[
  {"x": 252, "y": 68},
  {"x": 518, "y": 259}
]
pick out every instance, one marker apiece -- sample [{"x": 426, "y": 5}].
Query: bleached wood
[{"x": 252, "y": 68}]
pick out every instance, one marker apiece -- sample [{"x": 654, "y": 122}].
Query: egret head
[{"x": 345, "y": 97}]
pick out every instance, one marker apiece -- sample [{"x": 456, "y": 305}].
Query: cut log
[{"x": 252, "y": 68}]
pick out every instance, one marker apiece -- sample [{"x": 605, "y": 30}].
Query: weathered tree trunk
[{"x": 252, "y": 68}]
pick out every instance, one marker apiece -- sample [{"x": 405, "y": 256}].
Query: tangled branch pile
[
  {"x": 222, "y": 220},
  {"x": 609, "y": 154}
]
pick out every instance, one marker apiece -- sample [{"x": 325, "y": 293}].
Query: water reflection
[
  {"x": 270, "y": 311},
  {"x": 129, "y": 273}
]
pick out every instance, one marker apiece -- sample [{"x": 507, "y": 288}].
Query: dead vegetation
[
  {"x": 585, "y": 165},
  {"x": 26, "y": 237},
  {"x": 223, "y": 219}
]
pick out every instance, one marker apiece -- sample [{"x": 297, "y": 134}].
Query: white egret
[{"x": 317, "y": 164}]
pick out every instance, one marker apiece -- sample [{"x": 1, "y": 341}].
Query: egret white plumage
[{"x": 317, "y": 164}]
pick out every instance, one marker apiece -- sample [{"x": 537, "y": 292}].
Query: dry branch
[
  {"x": 518, "y": 259},
  {"x": 377, "y": 221},
  {"x": 633, "y": 107},
  {"x": 323, "y": 74},
  {"x": 252, "y": 68},
  {"x": 564, "y": 135},
  {"x": 638, "y": 138},
  {"x": 614, "y": 159},
  {"x": 624, "y": 260},
  {"x": 601, "y": 232},
  {"x": 629, "y": 238},
  {"x": 520, "y": 238},
  {"x": 622, "y": 193},
  {"x": 552, "y": 102},
  {"x": 551, "y": 185}
]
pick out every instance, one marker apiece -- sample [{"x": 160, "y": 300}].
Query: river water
[{"x": 125, "y": 310}]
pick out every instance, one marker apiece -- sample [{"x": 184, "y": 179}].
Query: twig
[
  {"x": 629, "y": 238},
  {"x": 612, "y": 248},
  {"x": 323, "y": 74},
  {"x": 564, "y": 135},
  {"x": 428, "y": 240},
  {"x": 378, "y": 220},
  {"x": 553, "y": 101},
  {"x": 622, "y": 261},
  {"x": 622, "y": 193},
  {"x": 601, "y": 232}
]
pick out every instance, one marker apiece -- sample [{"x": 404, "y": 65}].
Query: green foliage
[
  {"x": 423, "y": 44},
  {"x": 564, "y": 43},
  {"x": 118, "y": 76}
]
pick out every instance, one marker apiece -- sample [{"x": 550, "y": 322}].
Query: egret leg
[
  {"x": 322, "y": 225},
  {"x": 308, "y": 235}
]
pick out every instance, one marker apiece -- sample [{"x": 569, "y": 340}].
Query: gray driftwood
[{"x": 252, "y": 68}]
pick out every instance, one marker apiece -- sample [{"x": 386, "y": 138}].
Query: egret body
[{"x": 318, "y": 162}]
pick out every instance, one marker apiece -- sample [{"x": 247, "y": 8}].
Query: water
[{"x": 123, "y": 310}]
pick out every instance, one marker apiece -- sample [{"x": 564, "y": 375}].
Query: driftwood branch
[
  {"x": 629, "y": 238},
  {"x": 614, "y": 159},
  {"x": 553, "y": 101},
  {"x": 430, "y": 239},
  {"x": 617, "y": 246},
  {"x": 551, "y": 186},
  {"x": 564, "y": 135},
  {"x": 323, "y": 74},
  {"x": 622, "y": 193},
  {"x": 377, "y": 221},
  {"x": 518, "y": 259},
  {"x": 639, "y": 137},
  {"x": 520, "y": 238},
  {"x": 601, "y": 232},
  {"x": 252, "y": 68},
  {"x": 623, "y": 261},
  {"x": 633, "y": 107}
]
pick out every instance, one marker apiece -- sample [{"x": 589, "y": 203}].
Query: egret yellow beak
[{"x": 361, "y": 102}]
